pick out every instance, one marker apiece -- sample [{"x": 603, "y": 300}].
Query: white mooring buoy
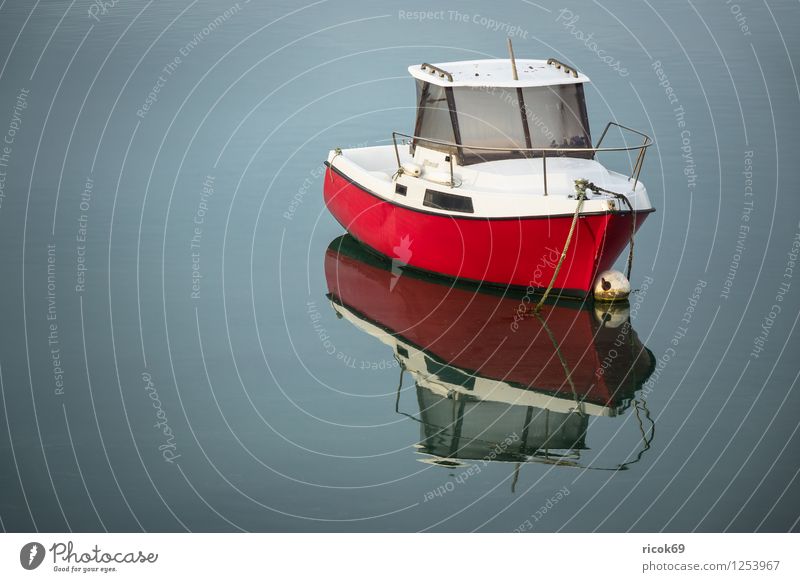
[
  {"x": 612, "y": 315},
  {"x": 611, "y": 286}
]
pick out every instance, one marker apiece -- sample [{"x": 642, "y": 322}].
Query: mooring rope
[
  {"x": 336, "y": 152},
  {"x": 582, "y": 185},
  {"x": 581, "y": 199},
  {"x": 564, "y": 364}
]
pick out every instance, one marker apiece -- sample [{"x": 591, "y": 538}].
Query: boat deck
[{"x": 511, "y": 187}]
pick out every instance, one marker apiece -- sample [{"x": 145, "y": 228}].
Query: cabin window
[
  {"x": 557, "y": 118},
  {"x": 490, "y": 117},
  {"x": 507, "y": 118},
  {"x": 434, "y": 120},
  {"x": 445, "y": 201}
]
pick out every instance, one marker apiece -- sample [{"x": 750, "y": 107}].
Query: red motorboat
[
  {"x": 480, "y": 378},
  {"x": 485, "y": 188}
]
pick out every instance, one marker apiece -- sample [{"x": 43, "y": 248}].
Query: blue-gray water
[{"x": 155, "y": 382}]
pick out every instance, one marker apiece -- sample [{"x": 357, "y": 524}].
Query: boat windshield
[{"x": 498, "y": 117}]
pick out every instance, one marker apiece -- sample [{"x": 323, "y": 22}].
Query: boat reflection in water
[{"x": 492, "y": 384}]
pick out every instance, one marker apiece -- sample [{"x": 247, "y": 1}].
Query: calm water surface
[{"x": 187, "y": 344}]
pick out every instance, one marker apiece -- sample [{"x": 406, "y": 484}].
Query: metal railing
[
  {"x": 434, "y": 70},
  {"x": 543, "y": 152},
  {"x": 567, "y": 69}
]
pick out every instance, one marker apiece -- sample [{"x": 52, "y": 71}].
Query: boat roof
[{"x": 498, "y": 73}]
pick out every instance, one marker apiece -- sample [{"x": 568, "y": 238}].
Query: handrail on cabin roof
[
  {"x": 567, "y": 68},
  {"x": 434, "y": 70}
]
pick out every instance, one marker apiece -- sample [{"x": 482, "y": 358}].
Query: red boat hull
[
  {"x": 522, "y": 252},
  {"x": 475, "y": 331}
]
